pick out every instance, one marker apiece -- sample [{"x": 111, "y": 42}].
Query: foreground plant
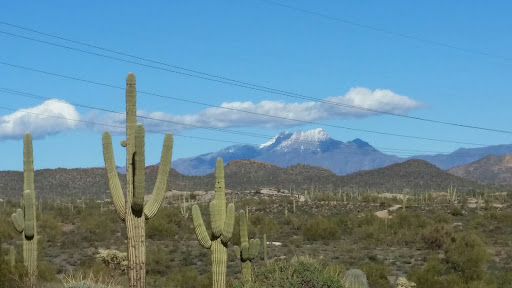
[
  {"x": 248, "y": 249},
  {"x": 132, "y": 209},
  {"x": 222, "y": 222},
  {"x": 24, "y": 221},
  {"x": 355, "y": 278}
]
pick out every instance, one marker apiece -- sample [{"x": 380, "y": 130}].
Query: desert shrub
[
  {"x": 442, "y": 218},
  {"x": 336, "y": 270},
  {"x": 467, "y": 255},
  {"x": 157, "y": 260},
  {"x": 47, "y": 272},
  {"x": 320, "y": 228},
  {"x": 435, "y": 237},
  {"x": 464, "y": 265},
  {"x": 405, "y": 227},
  {"x": 376, "y": 273},
  {"x": 113, "y": 259},
  {"x": 188, "y": 277},
  {"x": 430, "y": 276},
  {"x": 166, "y": 224},
  {"x": 89, "y": 280},
  {"x": 49, "y": 226},
  {"x": 84, "y": 284},
  {"x": 297, "y": 273},
  {"x": 369, "y": 229},
  {"x": 262, "y": 224},
  {"x": 96, "y": 227},
  {"x": 292, "y": 221},
  {"x": 455, "y": 210}
]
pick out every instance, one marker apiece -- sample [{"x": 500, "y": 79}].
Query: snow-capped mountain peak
[
  {"x": 299, "y": 140},
  {"x": 275, "y": 139},
  {"x": 316, "y": 135}
]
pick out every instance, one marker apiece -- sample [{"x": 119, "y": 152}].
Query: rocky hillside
[
  {"x": 244, "y": 175},
  {"x": 493, "y": 169}
]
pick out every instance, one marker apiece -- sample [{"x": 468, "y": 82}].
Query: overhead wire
[
  {"x": 34, "y": 96},
  {"x": 239, "y": 110},
  {"x": 223, "y": 80},
  {"x": 389, "y": 32}
]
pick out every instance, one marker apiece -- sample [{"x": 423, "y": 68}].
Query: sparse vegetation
[{"x": 451, "y": 238}]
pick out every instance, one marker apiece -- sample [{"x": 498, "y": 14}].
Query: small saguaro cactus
[
  {"x": 222, "y": 222},
  {"x": 24, "y": 221},
  {"x": 248, "y": 249},
  {"x": 184, "y": 207},
  {"x": 355, "y": 278},
  {"x": 132, "y": 209}
]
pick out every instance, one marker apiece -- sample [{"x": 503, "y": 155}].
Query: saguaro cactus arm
[
  {"x": 229, "y": 222},
  {"x": 254, "y": 248},
  {"x": 157, "y": 196},
  {"x": 237, "y": 252},
  {"x": 18, "y": 221},
  {"x": 116, "y": 192},
  {"x": 200, "y": 229}
]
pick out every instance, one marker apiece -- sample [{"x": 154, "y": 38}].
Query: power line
[
  {"x": 187, "y": 136},
  {"x": 150, "y": 131},
  {"x": 110, "y": 125},
  {"x": 225, "y": 80},
  {"x": 29, "y": 95},
  {"x": 238, "y": 110},
  {"x": 389, "y": 32},
  {"x": 34, "y": 96}
]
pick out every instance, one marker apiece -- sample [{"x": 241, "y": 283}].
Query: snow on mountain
[
  {"x": 276, "y": 141},
  {"x": 314, "y": 147},
  {"x": 309, "y": 140}
]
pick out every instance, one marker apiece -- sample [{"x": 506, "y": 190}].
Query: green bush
[
  {"x": 297, "y": 273},
  {"x": 468, "y": 256},
  {"x": 376, "y": 273},
  {"x": 320, "y": 228},
  {"x": 435, "y": 238}
]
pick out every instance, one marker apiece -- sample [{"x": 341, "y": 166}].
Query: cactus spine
[
  {"x": 248, "y": 249},
  {"x": 24, "y": 221},
  {"x": 132, "y": 209},
  {"x": 222, "y": 222}
]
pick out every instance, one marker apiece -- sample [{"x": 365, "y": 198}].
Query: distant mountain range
[
  {"x": 317, "y": 148},
  {"x": 247, "y": 175},
  {"x": 493, "y": 168}
]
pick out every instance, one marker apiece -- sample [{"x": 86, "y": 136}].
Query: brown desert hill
[
  {"x": 245, "y": 175},
  {"x": 493, "y": 169},
  {"x": 413, "y": 174}
]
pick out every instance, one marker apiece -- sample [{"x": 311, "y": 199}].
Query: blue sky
[{"x": 261, "y": 43}]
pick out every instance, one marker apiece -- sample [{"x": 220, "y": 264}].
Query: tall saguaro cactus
[
  {"x": 222, "y": 222},
  {"x": 248, "y": 249},
  {"x": 132, "y": 209},
  {"x": 24, "y": 221}
]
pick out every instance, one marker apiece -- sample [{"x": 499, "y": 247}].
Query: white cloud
[
  {"x": 227, "y": 116},
  {"x": 48, "y": 118},
  {"x": 19, "y": 122}
]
